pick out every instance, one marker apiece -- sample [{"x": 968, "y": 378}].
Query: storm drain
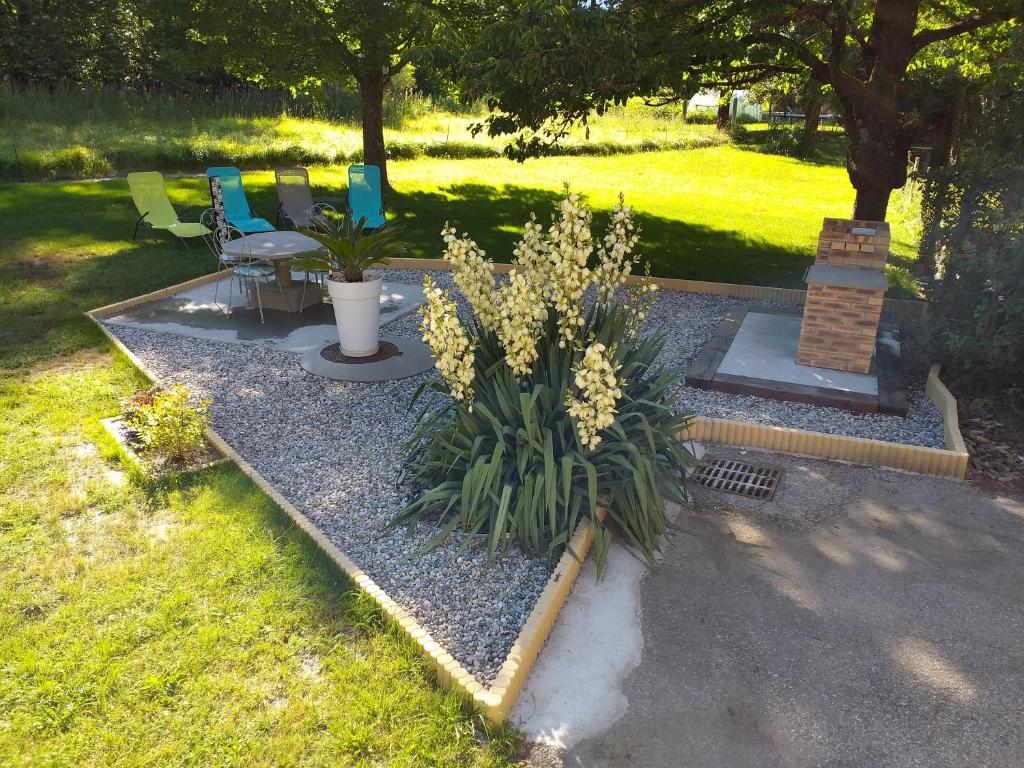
[{"x": 757, "y": 482}]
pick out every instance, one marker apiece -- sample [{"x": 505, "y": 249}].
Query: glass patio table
[{"x": 278, "y": 249}]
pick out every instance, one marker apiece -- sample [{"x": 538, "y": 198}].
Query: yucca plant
[
  {"x": 554, "y": 408},
  {"x": 349, "y": 248}
]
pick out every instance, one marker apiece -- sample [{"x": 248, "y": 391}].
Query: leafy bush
[
  {"x": 460, "y": 150},
  {"x": 166, "y": 423},
  {"x": 783, "y": 139},
  {"x": 557, "y": 405},
  {"x": 974, "y": 235}
]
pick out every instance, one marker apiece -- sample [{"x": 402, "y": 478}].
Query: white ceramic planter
[{"x": 357, "y": 313}]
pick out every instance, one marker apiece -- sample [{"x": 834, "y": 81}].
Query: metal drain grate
[{"x": 757, "y": 482}]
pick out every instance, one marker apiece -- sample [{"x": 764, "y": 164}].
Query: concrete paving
[
  {"x": 201, "y": 312},
  {"x": 862, "y": 618},
  {"x": 765, "y": 347}
]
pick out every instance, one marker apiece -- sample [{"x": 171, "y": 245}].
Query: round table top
[{"x": 271, "y": 245}]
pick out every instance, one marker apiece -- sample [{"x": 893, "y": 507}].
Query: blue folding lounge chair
[
  {"x": 239, "y": 213},
  {"x": 365, "y": 198}
]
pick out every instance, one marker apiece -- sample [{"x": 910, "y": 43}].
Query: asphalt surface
[{"x": 861, "y": 618}]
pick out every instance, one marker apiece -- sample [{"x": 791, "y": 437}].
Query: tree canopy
[
  {"x": 556, "y": 61},
  {"x": 305, "y": 42}
]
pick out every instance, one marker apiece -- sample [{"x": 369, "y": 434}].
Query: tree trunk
[
  {"x": 371, "y": 91},
  {"x": 812, "y": 116},
  {"x": 948, "y": 134},
  {"x": 722, "y": 119},
  {"x": 876, "y": 157}
]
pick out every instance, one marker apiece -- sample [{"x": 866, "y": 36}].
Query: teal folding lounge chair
[
  {"x": 365, "y": 198},
  {"x": 155, "y": 210},
  {"x": 239, "y": 213}
]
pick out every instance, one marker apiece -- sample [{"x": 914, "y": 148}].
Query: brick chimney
[{"x": 845, "y": 289}]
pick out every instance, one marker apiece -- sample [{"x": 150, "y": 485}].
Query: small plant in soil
[
  {"x": 555, "y": 405},
  {"x": 165, "y": 424}
]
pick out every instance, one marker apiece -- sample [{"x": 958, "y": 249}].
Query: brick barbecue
[{"x": 845, "y": 289}]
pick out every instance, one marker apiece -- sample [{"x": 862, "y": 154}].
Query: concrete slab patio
[
  {"x": 220, "y": 312},
  {"x": 862, "y": 618}
]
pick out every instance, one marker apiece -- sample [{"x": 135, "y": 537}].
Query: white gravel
[{"x": 334, "y": 449}]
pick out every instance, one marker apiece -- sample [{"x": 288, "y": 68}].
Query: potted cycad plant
[{"x": 348, "y": 250}]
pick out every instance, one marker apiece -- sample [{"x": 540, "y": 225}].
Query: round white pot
[{"x": 357, "y": 313}]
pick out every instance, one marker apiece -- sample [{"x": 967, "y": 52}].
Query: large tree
[
  {"x": 552, "y": 62},
  {"x": 304, "y": 42}
]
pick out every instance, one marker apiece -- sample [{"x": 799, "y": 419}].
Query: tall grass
[{"x": 69, "y": 133}]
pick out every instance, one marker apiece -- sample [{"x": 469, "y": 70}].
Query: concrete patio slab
[
  {"x": 413, "y": 357},
  {"x": 863, "y": 618},
  {"x": 765, "y": 347},
  {"x": 200, "y": 313}
]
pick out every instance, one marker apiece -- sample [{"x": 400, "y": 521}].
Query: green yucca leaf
[{"x": 512, "y": 470}]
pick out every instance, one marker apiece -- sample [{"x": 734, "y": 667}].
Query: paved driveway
[{"x": 862, "y": 618}]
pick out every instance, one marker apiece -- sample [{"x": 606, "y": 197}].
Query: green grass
[
  {"x": 187, "y": 622},
  {"x": 69, "y": 135},
  {"x": 724, "y": 214}
]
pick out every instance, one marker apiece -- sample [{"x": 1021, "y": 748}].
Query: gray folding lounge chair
[{"x": 297, "y": 205}]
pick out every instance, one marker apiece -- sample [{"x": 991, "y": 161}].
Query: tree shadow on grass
[{"x": 494, "y": 217}]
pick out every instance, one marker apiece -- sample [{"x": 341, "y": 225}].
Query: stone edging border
[{"x": 496, "y": 702}]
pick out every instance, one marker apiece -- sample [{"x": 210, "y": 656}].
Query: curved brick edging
[{"x": 950, "y": 461}]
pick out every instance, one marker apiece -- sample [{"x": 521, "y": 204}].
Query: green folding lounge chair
[{"x": 155, "y": 209}]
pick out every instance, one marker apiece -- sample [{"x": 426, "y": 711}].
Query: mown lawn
[
  {"x": 187, "y": 623},
  {"x": 183, "y": 623},
  {"x": 725, "y": 214}
]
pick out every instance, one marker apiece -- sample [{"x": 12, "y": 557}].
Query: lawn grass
[
  {"x": 188, "y": 622},
  {"x": 69, "y": 134},
  {"x": 724, "y": 214}
]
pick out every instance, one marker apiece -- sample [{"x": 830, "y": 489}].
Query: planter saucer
[{"x": 412, "y": 358}]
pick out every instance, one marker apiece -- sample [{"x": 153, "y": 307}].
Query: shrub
[
  {"x": 555, "y": 406},
  {"x": 166, "y": 423},
  {"x": 974, "y": 236}
]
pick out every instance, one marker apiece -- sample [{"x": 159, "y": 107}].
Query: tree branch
[
  {"x": 967, "y": 24},
  {"x": 818, "y": 67}
]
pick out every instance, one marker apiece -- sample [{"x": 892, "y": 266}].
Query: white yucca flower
[
  {"x": 641, "y": 296},
  {"x": 598, "y": 390},
  {"x": 448, "y": 340},
  {"x": 524, "y": 300},
  {"x": 615, "y": 262},
  {"x": 569, "y": 247},
  {"x": 474, "y": 275}
]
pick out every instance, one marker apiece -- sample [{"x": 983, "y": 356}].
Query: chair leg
[
  {"x": 216, "y": 284},
  {"x": 284, "y": 298},
  {"x": 302, "y": 301},
  {"x": 259, "y": 300}
]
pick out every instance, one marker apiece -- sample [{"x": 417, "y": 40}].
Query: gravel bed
[
  {"x": 692, "y": 318},
  {"x": 334, "y": 449}
]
